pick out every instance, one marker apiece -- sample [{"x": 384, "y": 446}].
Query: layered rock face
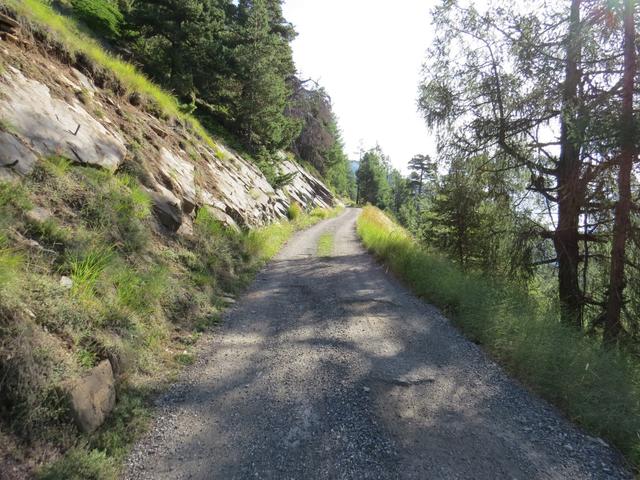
[{"x": 52, "y": 109}]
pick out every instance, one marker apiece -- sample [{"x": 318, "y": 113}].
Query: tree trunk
[
  {"x": 568, "y": 180},
  {"x": 622, "y": 219}
]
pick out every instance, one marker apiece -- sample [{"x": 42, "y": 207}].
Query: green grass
[
  {"x": 69, "y": 34},
  {"x": 294, "y": 211},
  {"x": 596, "y": 387},
  {"x": 10, "y": 262},
  {"x": 85, "y": 270},
  {"x": 265, "y": 242},
  {"x": 325, "y": 245},
  {"x": 80, "y": 464}
]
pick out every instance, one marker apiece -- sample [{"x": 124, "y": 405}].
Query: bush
[
  {"x": 102, "y": 16},
  {"x": 597, "y": 387}
]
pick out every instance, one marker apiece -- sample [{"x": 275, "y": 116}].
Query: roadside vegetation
[
  {"x": 597, "y": 387},
  {"x": 98, "y": 281},
  {"x": 535, "y": 185}
]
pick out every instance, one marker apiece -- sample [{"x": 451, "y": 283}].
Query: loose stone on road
[{"x": 328, "y": 368}]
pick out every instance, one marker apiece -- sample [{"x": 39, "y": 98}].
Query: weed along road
[{"x": 328, "y": 368}]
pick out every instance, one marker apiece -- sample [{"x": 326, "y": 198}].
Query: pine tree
[
  {"x": 373, "y": 185},
  {"x": 263, "y": 65}
]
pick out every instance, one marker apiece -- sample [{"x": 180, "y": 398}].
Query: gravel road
[{"x": 328, "y": 368}]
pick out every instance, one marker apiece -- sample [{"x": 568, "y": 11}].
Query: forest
[{"x": 536, "y": 175}]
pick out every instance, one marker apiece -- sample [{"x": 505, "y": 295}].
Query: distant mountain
[{"x": 355, "y": 165}]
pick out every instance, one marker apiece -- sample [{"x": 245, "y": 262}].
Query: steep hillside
[
  {"x": 52, "y": 108},
  {"x": 123, "y": 234}
]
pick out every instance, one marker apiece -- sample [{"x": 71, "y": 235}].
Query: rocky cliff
[{"x": 49, "y": 107}]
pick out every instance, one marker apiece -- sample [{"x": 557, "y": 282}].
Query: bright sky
[{"x": 368, "y": 54}]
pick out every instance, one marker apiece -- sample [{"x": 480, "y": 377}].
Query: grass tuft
[
  {"x": 85, "y": 270},
  {"x": 294, "y": 211},
  {"x": 82, "y": 464},
  {"x": 325, "y": 245}
]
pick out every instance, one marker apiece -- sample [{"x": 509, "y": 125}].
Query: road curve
[{"x": 328, "y": 368}]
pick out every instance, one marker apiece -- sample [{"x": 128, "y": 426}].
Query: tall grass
[{"x": 596, "y": 387}]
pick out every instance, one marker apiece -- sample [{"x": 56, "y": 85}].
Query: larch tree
[{"x": 627, "y": 157}]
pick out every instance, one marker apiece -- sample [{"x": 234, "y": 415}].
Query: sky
[{"x": 368, "y": 54}]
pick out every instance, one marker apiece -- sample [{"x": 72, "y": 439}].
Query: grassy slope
[
  {"x": 597, "y": 388},
  {"x": 138, "y": 297},
  {"x": 66, "y": 31}
]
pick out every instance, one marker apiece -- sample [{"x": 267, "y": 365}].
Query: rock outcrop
[
  {"x": 52, "y": 109},
  {"x": 45, "y": 126}
]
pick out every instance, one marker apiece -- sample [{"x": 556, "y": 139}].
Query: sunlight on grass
[{"x": 596, "y": 387}]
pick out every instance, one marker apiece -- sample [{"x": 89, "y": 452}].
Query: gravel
[{"x": 328, "y": 368}]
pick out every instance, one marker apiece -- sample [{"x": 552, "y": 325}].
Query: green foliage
[
  {"x": 82, "y": 464},
  {"x": 179, "y": 45},
  {"x": 264, "y": 62},
  {"x": 373, "y": 185},
  {"x": 102, "y": 16},
  {"x": 595, "y": 386},
  {"x": 341, "y": 178}
]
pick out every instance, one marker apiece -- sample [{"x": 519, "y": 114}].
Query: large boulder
[{"x": 93, "y": 397}]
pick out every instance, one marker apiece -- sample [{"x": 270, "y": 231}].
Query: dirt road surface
[{"x": 329, "y": 368}]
